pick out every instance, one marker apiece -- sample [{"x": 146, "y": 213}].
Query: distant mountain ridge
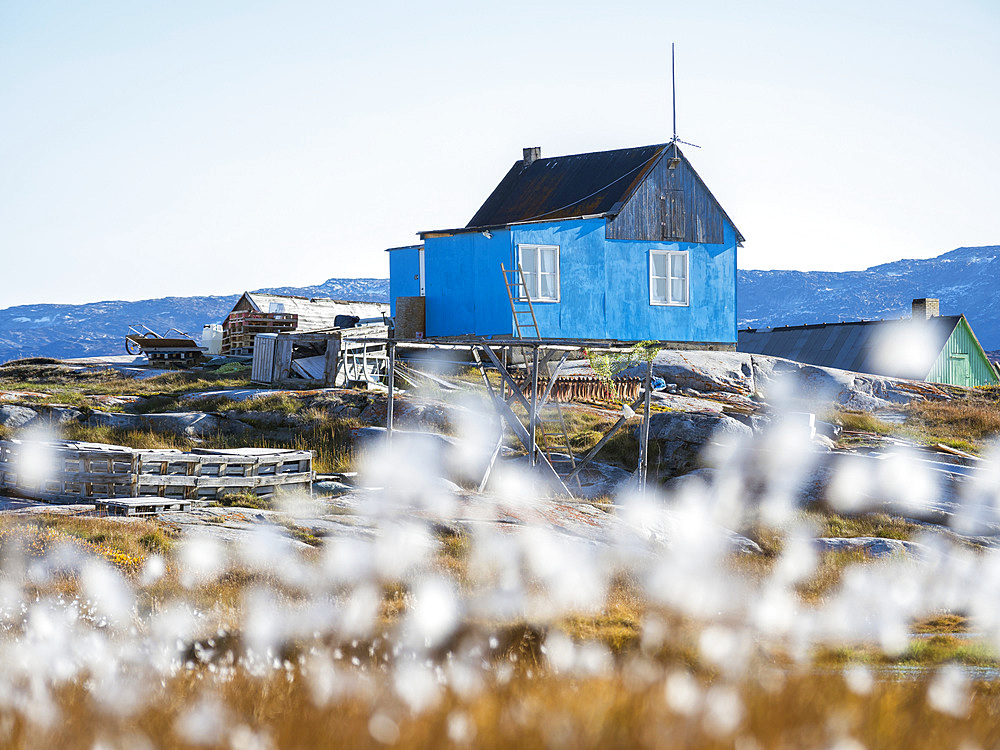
[
  {"x": 99, "y": 328},
  {"x": 965, "y": 280}
]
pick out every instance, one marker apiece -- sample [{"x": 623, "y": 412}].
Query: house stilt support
[{"x": 532, "y": 399}]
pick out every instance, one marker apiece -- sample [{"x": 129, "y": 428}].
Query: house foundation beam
[{"x": 507, "y": 415}]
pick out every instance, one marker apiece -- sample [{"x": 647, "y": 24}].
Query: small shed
[
  {"x": 257, "y": 312},
  {"x": 927, "y": 346}
]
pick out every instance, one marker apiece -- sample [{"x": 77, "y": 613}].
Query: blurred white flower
[{"x": 948, "y": 692}]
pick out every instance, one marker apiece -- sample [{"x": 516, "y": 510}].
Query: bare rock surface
[
  {"x": 874, "y": 547},
  {"x": 752, "y": 375},
  {"x": 682, "y": 437},
  {"x": 726, "y": 372},
  {"x": 15, "y": 417},
  {"x": 825, "y": 385},
  {"x": 190, "y": 424}
]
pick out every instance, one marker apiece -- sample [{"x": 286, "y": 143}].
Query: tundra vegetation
[{"x": 426, "y": 619}]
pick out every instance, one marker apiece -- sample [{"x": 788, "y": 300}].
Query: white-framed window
[
  {"x": 540, "y": 266},
  {"x": 668, "y": 277}
]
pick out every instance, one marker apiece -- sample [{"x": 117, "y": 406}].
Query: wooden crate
[
  {"x": 73, "y": 472},
  {"x": 240, "y": 327}
]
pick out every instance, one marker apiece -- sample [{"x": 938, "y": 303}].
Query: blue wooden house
[{"x": 626, "y": 245}]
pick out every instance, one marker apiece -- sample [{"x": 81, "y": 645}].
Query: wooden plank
[
  {"x": 507, "y": 415},
  {"x": 283, "y": 358},
  {"x": 533, "y": 413},
  {"x": 505, "y": 376},
  {"x": 552, "y": 381},
  {"x": 133, "y": 474},
  {"x": 644, "y": 433},
  {"x": 955, "y": 451},
  {"x": 601, "y": 443},
  {"x": 92, "y": 477},
  {"x": 141, "y": 506},
  {"x": 310, "y": 367},
  {"x": 331, "y": 360},
  {"x": 493, "y": 459},
  {"x": 177, "y": 480}
]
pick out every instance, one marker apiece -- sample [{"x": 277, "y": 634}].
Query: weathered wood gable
[
  {"x": 244, "y": 304},
  {"x": 670, "y": 204}
]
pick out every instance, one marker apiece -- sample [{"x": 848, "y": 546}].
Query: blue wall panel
[
  {"x": 604, "y": 285},
  {"x": 581, "y": 308},
  {"x": 404, "y": 274},
  {"x": 464, "y": 284}
]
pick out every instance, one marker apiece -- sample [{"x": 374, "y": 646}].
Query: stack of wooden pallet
[
  {"x": 240, "y": 327},
  {"x": 128, "y": 481}
]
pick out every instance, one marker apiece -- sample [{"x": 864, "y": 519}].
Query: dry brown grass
[
  {"x": 861, "y": 421},
  {"x": 969, "y": 421},
  {"x": 870, "y": 524},
  {"x": 68, "y": 385},
  {"x": 943, "y": 623},
  {"x": 123, "y": 542},
  {"x": 525, "y": 703},
  {"x": 966, "y": 421},
  {"x": 535, "y": 709}
]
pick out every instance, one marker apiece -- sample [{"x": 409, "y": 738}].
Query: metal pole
[
  {"x": 390, "y": 376},
  {"x": 673, "y": 91},
  {"x": 644, "y": 433},
  {"x": 534, "y": 401}
]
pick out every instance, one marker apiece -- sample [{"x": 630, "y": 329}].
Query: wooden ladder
[
  {"x": 554, "y": 433},
  {"x": 520, "y": 302}
]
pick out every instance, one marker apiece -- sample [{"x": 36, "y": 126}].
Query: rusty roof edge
[{"x": 485, "y": 227}]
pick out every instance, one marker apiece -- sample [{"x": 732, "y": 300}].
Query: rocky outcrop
[
  {"x": 782, "y": 379},
  {"x": 729, "y": 375},
  {"x": 704, "y": 372},
  {"x": 682, "y": 437},
  {"x": 15, "y": 417},
  {"x": 188, "y": 424},
  {"x": 874, "y": 547}
]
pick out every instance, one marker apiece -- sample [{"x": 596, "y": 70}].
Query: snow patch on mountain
[
  {"x": 963, "y": 279},
  {"x": 99, "y": 328}
]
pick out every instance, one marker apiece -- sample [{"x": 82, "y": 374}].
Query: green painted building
[{"x": 927, "y": 346}]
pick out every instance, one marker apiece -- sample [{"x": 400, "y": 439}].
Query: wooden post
[
  {"x": 602, "y": 442},
  {"x": 282, "y": 357},
  {"x": 390, "y": 351},
  {"x": 533, "y": 416},
  {"x": 644, "y": 432},
  {"x": 134, "y": 471},
  {"x": 331, "y": 361}
]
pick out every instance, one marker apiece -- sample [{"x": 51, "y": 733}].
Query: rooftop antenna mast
[{"x": 673, "y": 91}]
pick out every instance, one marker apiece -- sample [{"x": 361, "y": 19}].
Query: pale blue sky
[{"x": 210, "y": 147}]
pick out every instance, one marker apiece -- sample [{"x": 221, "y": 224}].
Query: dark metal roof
[
  {"x": 849, "y": 346},
  {"x": 563, "y": 187}
]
